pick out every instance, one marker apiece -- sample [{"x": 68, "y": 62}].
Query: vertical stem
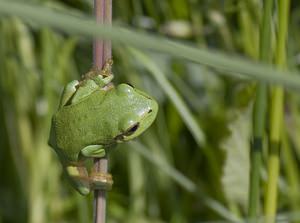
[
  {"x": 99, "y": 6},
  {"x": 276, "y": 116},
  {"x": 259, "y": 113},
  {"x": 101, "y": 165},
  {"x": 107, "y": 20},
  {"x": 102, "y": 52}
]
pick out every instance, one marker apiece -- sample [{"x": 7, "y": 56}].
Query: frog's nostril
[{"x": 150, "y": 111}]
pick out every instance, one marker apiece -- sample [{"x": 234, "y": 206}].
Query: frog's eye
[{"x": 132, "y": 129}]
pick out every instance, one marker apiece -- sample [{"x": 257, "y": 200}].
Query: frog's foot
[
  {"x": 91, "y": 83},
  {"x": 84, "y": 89},
  {"x": 78, "y": 176},
  {"x": 106, "y": 70},
  {"x": 95, "y": 71},
  {"x": 102, "y": 81},
  {"x": 101, "y": 181},
  {"x": 100, "y": 77}
]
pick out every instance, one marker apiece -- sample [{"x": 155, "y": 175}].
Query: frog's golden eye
[{"x": 132, "y": 129}]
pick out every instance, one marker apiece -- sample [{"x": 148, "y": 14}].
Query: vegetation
[{"x": 225, "y": 144}]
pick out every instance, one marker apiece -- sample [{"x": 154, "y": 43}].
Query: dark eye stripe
[
  {"x": 130, "y": 85},
  {"x": 131, "y": 130}
]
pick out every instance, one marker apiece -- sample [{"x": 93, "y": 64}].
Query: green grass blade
[
  {"x": 259, "y": 113},
  {"x": 233, "y": 65},
  {"x": 277, "y": 113}
]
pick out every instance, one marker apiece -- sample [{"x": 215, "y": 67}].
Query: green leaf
[{"x": 235, "y": 177}]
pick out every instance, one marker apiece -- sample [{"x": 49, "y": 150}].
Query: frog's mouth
[{"x": 139, "y": 127}]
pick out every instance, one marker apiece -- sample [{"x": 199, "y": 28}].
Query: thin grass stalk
[
  {"x": 259, "y": 114},
  {"x": 102, "y": 52},
  {"x": 276, "y": 114}
]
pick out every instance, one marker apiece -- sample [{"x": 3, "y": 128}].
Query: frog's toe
[
  {"x": 78, "y": 177},
  {"x": 83, "y": 190}
]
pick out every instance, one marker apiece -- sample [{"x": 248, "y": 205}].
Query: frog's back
[{"x": 79, "y": 125}]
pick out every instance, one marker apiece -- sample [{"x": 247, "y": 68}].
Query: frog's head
[{"x": 139, "y": 110}]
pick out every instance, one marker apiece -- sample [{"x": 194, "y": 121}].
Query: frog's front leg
[{"x": 93, "y": 151}]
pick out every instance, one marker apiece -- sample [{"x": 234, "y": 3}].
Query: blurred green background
[{"x": 171, "y": 174}]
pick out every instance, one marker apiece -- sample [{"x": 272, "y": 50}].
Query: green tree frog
[{"x": 93, "y": 116}]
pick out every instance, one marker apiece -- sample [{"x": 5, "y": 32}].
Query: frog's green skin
[{"x": 91, "y": 118}]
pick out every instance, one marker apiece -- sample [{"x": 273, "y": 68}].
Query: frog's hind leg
[
  {"x": 78, "y": 176},
  {"x": 88, "y": 86},
  {"x": 78, "y": 173},
  {"x": 76, "y": 91},
  {"x": 68, "y": 92}
]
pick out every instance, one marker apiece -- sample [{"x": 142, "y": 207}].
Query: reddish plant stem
[
  {"x": 107, "y": 20},
  {"x": 98, "y": 44},
  {"x": 102, "y": 52},
  {"x": 101, "y": 165}
]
